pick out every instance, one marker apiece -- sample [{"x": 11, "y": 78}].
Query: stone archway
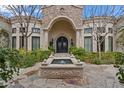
[{"x": 62, "y": 28}]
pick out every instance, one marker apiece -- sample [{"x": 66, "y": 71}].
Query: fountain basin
[{"x": 65, "y": 68}]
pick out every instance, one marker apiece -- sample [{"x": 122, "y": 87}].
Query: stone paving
[{"x": 94, "y": 76}]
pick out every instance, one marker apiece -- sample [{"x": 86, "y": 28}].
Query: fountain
[{"x": 61, "y": 67}]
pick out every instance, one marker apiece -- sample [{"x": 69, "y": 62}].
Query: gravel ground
[{"x": 94, "y": 76}]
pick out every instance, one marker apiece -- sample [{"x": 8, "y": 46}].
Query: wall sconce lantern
[
  {"x": 51, "y": 42},
  {"x": 72, "y": 42}
]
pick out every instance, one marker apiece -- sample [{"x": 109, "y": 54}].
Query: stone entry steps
[{"x": 62, "y": 55}]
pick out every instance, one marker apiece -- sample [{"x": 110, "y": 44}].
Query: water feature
[
  {"x": 60, "y": 66},
  {"x": 62, "y": 61}
]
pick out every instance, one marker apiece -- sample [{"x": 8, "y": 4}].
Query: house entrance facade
[
  {"x": 64, "y": 26},
  {"x": 62, "y": 35}
]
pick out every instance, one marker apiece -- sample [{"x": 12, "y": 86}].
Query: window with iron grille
[
  {"x": 36, "y": 30},
  {"x": 13, "y": 30},
  {"x": 110, "y": 30},
  {"x": 87, "y": 30},
  {"x": 22, "y": 30}
]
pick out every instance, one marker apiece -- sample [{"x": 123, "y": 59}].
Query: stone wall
[{"x": 52, "y": 12}]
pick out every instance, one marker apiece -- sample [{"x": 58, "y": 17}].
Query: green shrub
[
  {"x": 120, "y": 75},
  {"x": 107, "y": 55},
  {"x": 90, "y": 56},
  {"x": 119, "y": 59},
  {"x": 122, "y": 58},
  {"x": 9, "y": 64},
  {"x": 116, "y": 58},
  {"x": 30, "y": 58},
  {"x": 106, "y": 58},
  {"x": 78, "y": 52},
  {"x": 51, "y": 48},
  {"x": 96, "y": 61}
]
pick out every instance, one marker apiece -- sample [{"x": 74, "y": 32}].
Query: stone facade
[
  {"x": 17, "y": 32},
  {"x": 54, "y": 13},
  {"x": 64, "y": 21},
  {"x": 99, "y": 22},
  {"x": 119, "y": 25},
  {"x": 5, "y": 32}
]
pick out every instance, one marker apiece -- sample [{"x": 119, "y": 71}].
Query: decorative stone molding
[{"x": 61, "y": 73}]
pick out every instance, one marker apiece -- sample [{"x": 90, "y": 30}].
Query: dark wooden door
[{"x": 62, "y": 45}]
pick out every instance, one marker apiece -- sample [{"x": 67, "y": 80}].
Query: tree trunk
[
  {"x": 25, "y": 43},
  {"x": 99, "y": 49}
]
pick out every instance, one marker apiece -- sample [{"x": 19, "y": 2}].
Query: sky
[
  {"x": 103, "y": 10},
  {"x": 87, "y": 12},
  {"x": 4, "y": 11}
]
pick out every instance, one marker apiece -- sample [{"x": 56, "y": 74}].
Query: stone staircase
[{"x": 62, "y": 55}]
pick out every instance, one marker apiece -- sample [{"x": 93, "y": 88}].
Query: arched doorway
[
  {"x": 62, "y": 45},
  {"x": 62, "y": 34}
]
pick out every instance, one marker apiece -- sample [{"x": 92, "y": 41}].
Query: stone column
[
  {"x": 41, "y": 38},
  {"x": 82, "y": 38},
  {"x": 94, "y": 44},
  {"x": 106, "y": 43},
  {"x": 45, "y": 42},
  {"x": 78, "y": 38},
  {"x": 30, "y": 43},
  {"x": 10, "y": 40},
  {"x": 114, "y": 42},
  {"x": 17, "y": 42}
]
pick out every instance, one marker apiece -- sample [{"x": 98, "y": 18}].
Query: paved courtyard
[{"x": 94, "y": 76}]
